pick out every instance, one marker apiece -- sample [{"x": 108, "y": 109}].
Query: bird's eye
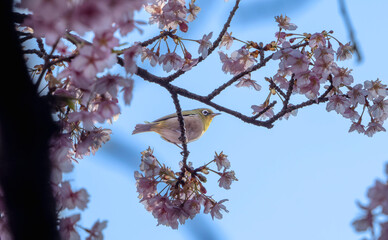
[{"x": 205, "y": 112}]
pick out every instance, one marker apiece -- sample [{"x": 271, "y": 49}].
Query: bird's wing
[{"x": 173, "y": 115}]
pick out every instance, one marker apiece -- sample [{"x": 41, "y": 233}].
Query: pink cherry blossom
[
  {"x": 149, "y": 164},
  {"x": 284, "y": 22},
  {"x": 267, "y": 114},
  {"x": 226, "y": 40},
  {"x": 243, "y": 57},
  {"x": 91, "y": 141},
  {"x": 171, "y": 61},
  {"x": 317, "y": 40},
  {"x": 227, "y": 62},
  {"x": 215, "y": 210},
  {"x": 146, "y": 187},
  {"x": 222, "y": 161},
  {"x": 377, "y": 194},
  {"x": 72, "y": 199},
  {"x": 351, "y": 113},
  {"x": 205, "y": 44},
  {"x": 227, "y": 177},
  {"x": 106, "y": 40},
  {"x": 357, "y": 126},
  {"x": 91, "y": 61},
  {"x": 87, "y": 118},
  {"x": 61, "y": 151},
  {"x": 344, "y": 51},
  {"x": 67, "y": 227},
  {"x": 323, "y": 63},
  {"x": 191, "y": 208},
  {"x": 107, "y": 109},
  {"x": 150, "y": 55},
  {"x": 299, "y": 62},
  {"x": 310, "y": 86},
  {"x": 193, "y": 11},
  {"x": 108, "y": 84},
  {"x": 127, "y": 90},
  {"x": 246, "y": 81},
  {"x": 90, "y": 15},
  {"x": 95, "y": 233},
  {"x": 189, "y": 63},
  {"x": 374, "y": 127},
  {"x": 127, "y": 24},
  {"x": 375, "y": 89},
  {"x": 341, "y": 76},
  {"x": 338, "y": 103},
  {"x": 130, "y": 58},
  {"x": 281, "y": 81},
  {"x": 357, "y": 94},
  {"x": 379, "y": 109}
]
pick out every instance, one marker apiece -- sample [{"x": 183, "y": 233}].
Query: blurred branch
[{"x": 349, "y": 27}]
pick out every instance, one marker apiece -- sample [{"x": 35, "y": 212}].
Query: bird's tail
[{"x": 139, "y": 128}]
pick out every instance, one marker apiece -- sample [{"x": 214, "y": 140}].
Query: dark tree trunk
[{"x": 26, "y": 126}]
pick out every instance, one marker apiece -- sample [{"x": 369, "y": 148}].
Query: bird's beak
[{"x": 215, "y": 114}]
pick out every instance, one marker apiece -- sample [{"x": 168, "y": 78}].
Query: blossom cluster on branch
[
  {"x": 375, "y": 212},
  {"x": 183, "y": 193},
  {"x": 79, "y": 42}
]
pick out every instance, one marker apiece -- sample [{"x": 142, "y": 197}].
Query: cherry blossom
[
  {"x": 284, "y": 22},
  {"x": 215, "y": 210},
  {"x": 226, "y": 40},
  {"x": 91, "y": 61},
  {"x": 379, "y": 109},
  {"x": 222, "y": 161},
  {"x": 171, "y": 61},
  {"x": 87, "y": 118},
  {"x": 375, "y": 89},
  {"x": 246, "y": 81},
  {"x": 95, "y": 233},
  {"x": 72, "y": 199},
  {"x": 67, "y": 227},
  {"x": 227, "y": 177},
  {"x": 344, "y": 51},
  {"x": 193, "y": 11},
  {"x": 356, "y": 126},
  {"x": 150, "y": 55},
  {"x": 341, "y": 76},
  {"x": 357, "y": 94},
  {"x": 205, "y": 44},
  {"x": 130, "y": 58},
  {"x": 259, "y": 108},
  {"x": 317, "y": 40},
  {"x": 374, "y": 127},
  {"x": 338, "y": 103}
]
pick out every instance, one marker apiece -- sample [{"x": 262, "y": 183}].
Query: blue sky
[{"x": 298, "y": 180}]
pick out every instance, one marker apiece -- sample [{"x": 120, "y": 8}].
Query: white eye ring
[{"x": 205, "y": 112}]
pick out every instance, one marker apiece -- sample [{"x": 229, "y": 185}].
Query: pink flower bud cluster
[
  {"x": 375, "y": 212},
  {"x": 173, "y": 197}
]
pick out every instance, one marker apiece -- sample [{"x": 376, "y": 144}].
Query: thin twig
[
  {"x": 46, "y": 65},
  {"x": 349, "y": 27},
  {"x": 183, "y": 137},
  {"x": 175, "y": 75}
]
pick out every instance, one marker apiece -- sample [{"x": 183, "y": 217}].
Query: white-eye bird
[{"x": 196, "y": 121}]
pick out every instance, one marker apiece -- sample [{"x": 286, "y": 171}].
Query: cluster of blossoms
[
  {"x": 310, "y": 63},
  {"x": 174, "y": 197},
  {"x": 376, "y": 211}
]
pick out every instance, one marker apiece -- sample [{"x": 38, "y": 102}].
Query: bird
[{"x": 196, "y": 121}]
